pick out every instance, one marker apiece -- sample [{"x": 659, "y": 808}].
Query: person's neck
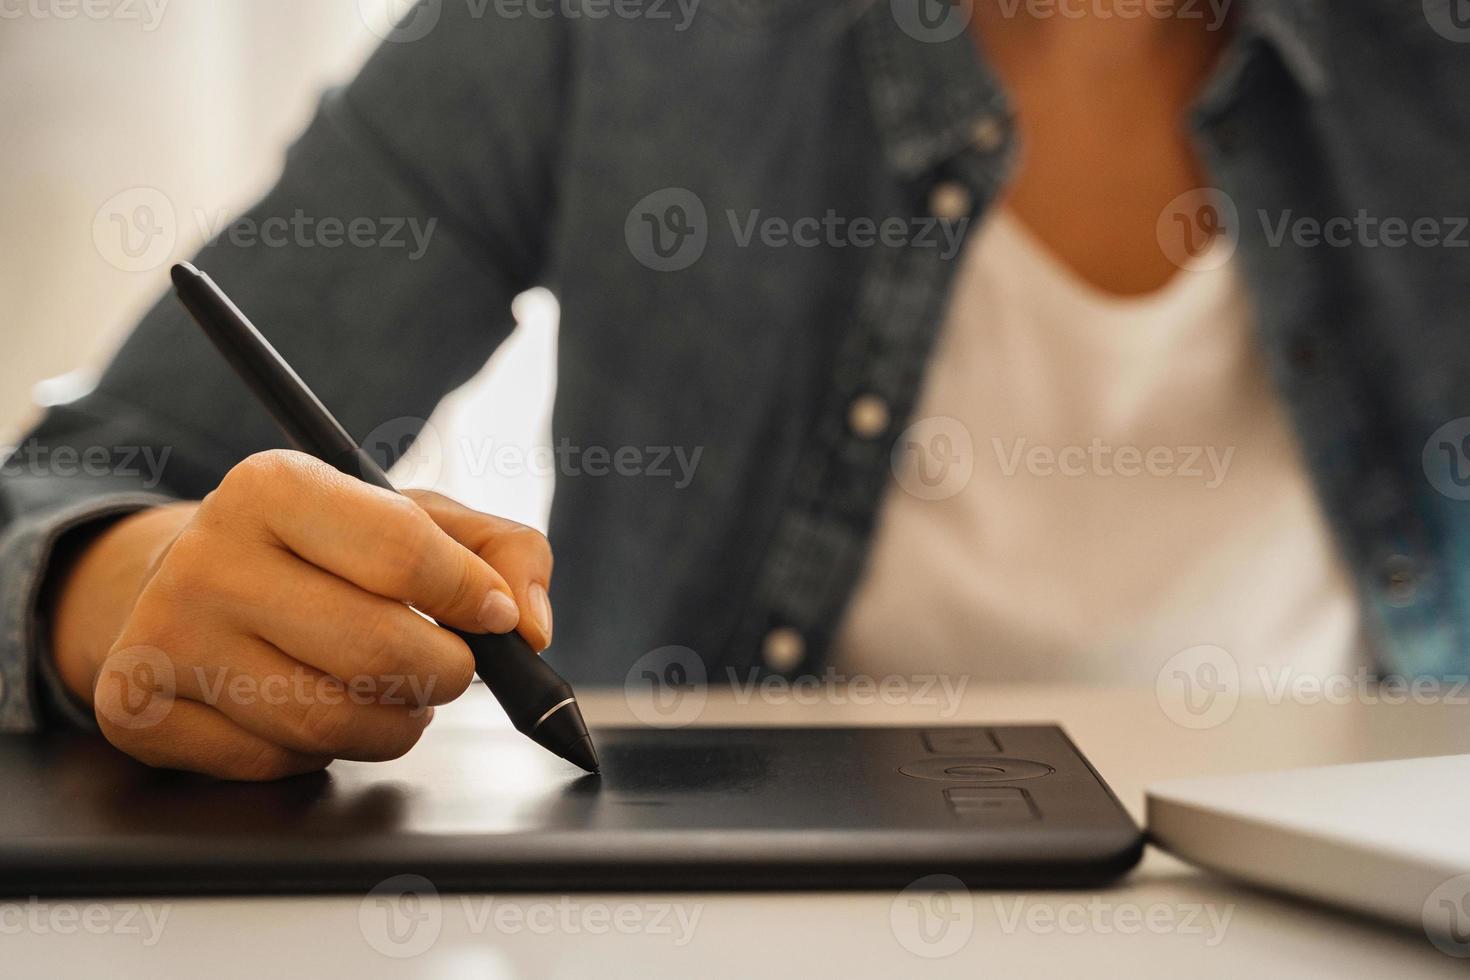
[
  {"x": 1100, "y": 104},
  {"x": 1103, "y": 37}
]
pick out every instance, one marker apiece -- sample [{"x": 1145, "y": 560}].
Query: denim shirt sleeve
[
  {"x": 30, "y": 690},
  {"x": 441, "y": 156}
]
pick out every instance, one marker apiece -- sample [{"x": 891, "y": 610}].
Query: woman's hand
[{"x": 266, "y": 630}]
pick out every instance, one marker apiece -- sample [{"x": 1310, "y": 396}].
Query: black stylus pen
[{"x": 540, "y": 704}]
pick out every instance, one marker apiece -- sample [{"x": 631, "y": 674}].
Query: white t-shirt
[{"x": 1093, "y": 484}]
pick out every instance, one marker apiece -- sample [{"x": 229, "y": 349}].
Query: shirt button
[
  {"x": 989, "y": 133},
  {"x": 868, "y": 417},
  {"x": 783, "y": 649},
  {"x": 950, "y": 201}
]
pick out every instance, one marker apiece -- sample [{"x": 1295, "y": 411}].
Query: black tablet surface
[{"x": 688, "y": 808}]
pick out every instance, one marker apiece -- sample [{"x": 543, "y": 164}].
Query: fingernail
[
  {"x": 498, "y": 613},
  {"x": 540, "y": 608}
]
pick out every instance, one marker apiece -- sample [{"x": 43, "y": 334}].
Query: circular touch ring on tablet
[{"x": 975, "y": 769}]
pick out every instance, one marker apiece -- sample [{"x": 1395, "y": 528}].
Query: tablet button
[
  {"x": 961, "y": 741},
  {"x": 975, "y": 769},
  {"x": 991, "y": 804}
]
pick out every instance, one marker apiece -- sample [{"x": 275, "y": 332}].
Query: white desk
[{"x": 1165, "y": 920}]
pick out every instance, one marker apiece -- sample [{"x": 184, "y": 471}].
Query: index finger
[{"x": 378, "y": 540}]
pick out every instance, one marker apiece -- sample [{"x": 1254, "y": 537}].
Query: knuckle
[
  {"x": 447, "y": 677},
  {"x": 406, "y": 513},
  {"x": 220, "y": 512},
  {"x": 255, "y": 761},
  {"x": 161, "y": 615},
  {"x": 455, "y": 678},
  {"x": 531, "y": 541},
  {"x": 405, "y": 551},
  {"x": 193, "y": 596},
  {"x": 141, "y": 744},
  {"x": 124, "y": 659},
  {"x": 193, "y": 565},
  {"x": 253, "y": 487},
  {"x": 192, "y": 549},
  {"x": 325, "y": 728},
  {"x": 464, "y": 582},
  {"x": 134, "y": 693},
  {"x": 257, "y": 471},
  {"x": 409, "y": 663},
  {"x": 402, "y": 737},
  {"x": 382, "y": 641},
  {"x": 104, "y": 707},
  {"x": 425, "y": 499}
]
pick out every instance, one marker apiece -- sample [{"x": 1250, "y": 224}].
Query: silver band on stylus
[{"x": 552, "y": 710}]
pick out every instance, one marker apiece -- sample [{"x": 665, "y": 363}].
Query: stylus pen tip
[
  {"x": 562, "y": 730},
  {"x": 581, "y": 753}
]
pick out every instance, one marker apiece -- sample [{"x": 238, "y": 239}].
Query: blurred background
[{"x": 134, "y": 129}]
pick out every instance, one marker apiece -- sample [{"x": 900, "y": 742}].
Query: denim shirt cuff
[{"x": 31, "y": 691}]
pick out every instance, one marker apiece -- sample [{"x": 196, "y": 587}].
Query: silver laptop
[{"x": 1391, "y": 839}]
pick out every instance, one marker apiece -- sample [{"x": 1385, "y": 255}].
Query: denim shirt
[{"x": 634, "y": 165}]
